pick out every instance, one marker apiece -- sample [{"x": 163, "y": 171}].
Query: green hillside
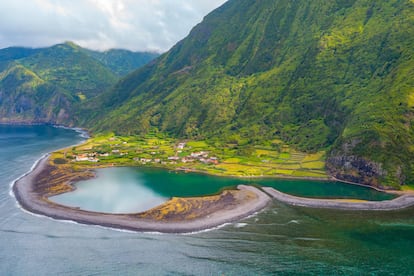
[
  {"x": 47, "y": 85},
  {"x": 67, "y": 66},
  {"x": 333, "y": 75},
  {"x": 122, "y": 62},
  {"x": 26, "y": 98}
]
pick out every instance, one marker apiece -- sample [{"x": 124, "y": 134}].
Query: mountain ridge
[
  {"x": 48, "y": 85},
  {"x": 331, "y": 75}
]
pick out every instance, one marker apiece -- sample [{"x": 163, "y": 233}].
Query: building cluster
[
  {"x": 200, "y": 156},
  {"x": 86, "y": 157},
  {"x": 93, "y": 156}
]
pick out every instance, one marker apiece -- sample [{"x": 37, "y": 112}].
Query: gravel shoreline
[
  {"x": 401, "y": 202},
  {"x": 24, "y": 190}
]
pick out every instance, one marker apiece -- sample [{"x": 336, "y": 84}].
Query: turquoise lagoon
[{"x": 128, "y": 190}]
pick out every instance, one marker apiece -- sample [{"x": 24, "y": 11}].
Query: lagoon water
[
  {"x": 128, "y": 190},
  {"x": 279, "y": 240}
]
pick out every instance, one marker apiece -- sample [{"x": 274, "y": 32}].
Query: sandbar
[
  {"x": 199, "y": 213},
  {"x": 401, "y": 202}
]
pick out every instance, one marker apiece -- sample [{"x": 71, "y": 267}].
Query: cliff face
[
  {"x": 24, "y": 109},
  {"x": 356, "y": 170},
  {"x": 26, "y": 98}
]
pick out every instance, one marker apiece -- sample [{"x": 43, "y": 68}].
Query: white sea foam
[
  {"x": 223, "y": 225},
  {"x": 80, "y": 224},
  {"x": 240, "y": 225},
  {"x": 83, "y": 133},
  {"x": 26, "y": 173},
  {"x": 206, "y": 230}
]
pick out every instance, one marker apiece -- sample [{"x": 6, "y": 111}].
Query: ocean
[{"x": 280, "y": 240}]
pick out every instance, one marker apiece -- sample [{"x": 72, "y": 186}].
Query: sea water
[{"x": 280, "y": 240}]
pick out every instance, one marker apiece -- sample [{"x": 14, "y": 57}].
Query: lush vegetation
[
  {"x": 49, "y": 84},
  {"x": 319, "y": 75},
  {"x": 27, "y": 98},
  {"x": 158, "y": 150},
  {"x": 122, "y": 62},
  {"x": 65, "y": 65}
]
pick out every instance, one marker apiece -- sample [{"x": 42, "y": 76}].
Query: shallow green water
[
  {"x": 125, "y": 190},
  {"x": 281, "y": 240}
]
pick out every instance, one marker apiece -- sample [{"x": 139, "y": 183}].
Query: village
[
  {"x": 158, "y": 150},
  {"x": 203, "y": 157}
]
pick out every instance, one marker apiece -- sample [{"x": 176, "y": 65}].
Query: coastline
[
  {"x": 388, "y": 191},
  {"x": 401, "y": 202},
  {"x": 229, "y": 206},
  {"x": 225, "y": 208}
]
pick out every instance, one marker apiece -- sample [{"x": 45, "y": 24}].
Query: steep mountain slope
[
  {"x": 335, "y": 75},
  {"x": 49, "y": 84},
  {"x": 122, "y": 62},
  {"x": 67, "y": 66},
  {"x": 26, "y": 98}
]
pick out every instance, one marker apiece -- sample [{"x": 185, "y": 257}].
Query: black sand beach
[
  {"x": 249, "y": 200},
  {"x": 401, "y": 202}
]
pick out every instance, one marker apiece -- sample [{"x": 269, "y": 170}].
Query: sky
[{"x": 138, "y": 25}]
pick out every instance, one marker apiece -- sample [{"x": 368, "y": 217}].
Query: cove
[{"x": 131, "y": 190}]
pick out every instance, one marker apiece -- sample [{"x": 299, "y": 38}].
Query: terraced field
[{"x": 268, "y": 162}]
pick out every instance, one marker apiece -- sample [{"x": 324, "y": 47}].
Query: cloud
[{"x": 154, "y": 25}]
